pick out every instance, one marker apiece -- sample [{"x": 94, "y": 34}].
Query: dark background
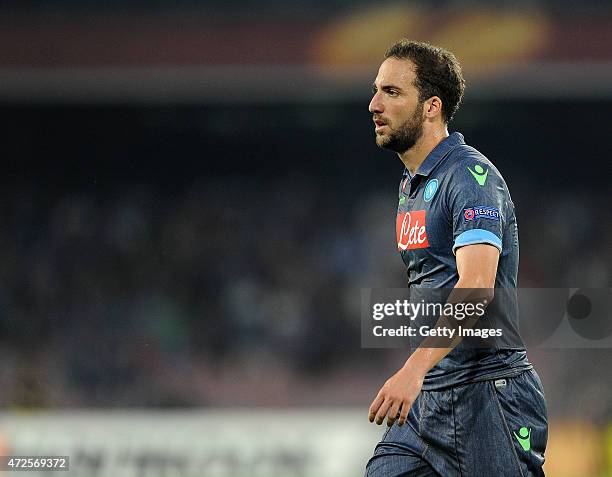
[
  {"x": 191, "y": 197},
  {"x": 220, "y": 220}
]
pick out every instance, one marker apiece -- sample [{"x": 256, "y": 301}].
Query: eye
[
  {"x": 392, "y": 92},
  {"x": 374, "y": 89}
]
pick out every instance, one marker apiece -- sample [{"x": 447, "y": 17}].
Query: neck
[{"x": 414, "y": 157}]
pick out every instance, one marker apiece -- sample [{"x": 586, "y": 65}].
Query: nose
[{"x": 376, "y": 104}]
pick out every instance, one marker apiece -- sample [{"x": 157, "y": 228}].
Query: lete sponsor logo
[{"x": 410, "y": 229}]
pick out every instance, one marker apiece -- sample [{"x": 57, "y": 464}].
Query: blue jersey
[{"x": 456, "y": 198}]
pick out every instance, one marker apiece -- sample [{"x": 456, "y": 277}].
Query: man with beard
[{"x": 452, "y": 410}]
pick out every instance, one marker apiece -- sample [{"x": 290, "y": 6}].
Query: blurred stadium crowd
[
  {"x": 217, "y": 295},
  {"x": 192, "y": 201},
  {"x": 205, "y": 243}
]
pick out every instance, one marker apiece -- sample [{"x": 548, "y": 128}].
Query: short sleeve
[{"x": 476, "y": 202}]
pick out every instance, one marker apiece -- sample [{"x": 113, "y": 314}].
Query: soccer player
[{"x": 451, "y": 410}]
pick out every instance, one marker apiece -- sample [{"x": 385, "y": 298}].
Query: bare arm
[{"x": 477, "y": 268}]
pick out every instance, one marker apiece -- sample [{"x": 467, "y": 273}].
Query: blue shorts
[{"x": 490, "y": 428}]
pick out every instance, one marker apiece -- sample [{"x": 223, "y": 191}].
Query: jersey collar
[{"x": 437, "y": 154}]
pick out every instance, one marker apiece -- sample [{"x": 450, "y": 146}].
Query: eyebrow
[{"x": 387, "y": 87}]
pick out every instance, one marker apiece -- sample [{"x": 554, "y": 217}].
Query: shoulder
[
  {"x": 463, "y": 156},
  {"x": 467, "y": 165}
]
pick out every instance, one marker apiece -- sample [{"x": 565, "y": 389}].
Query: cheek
[
  {"x": 400, "y": 113},
  {"x": 395, "y": 114}
]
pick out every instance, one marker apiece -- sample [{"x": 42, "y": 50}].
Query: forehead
[{"x": 396, "y": 72}]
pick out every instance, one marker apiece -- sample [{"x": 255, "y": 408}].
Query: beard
[{"x": 405, "y": 136}]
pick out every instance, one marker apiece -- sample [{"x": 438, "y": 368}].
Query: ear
[{"x": 433, "y": 107}]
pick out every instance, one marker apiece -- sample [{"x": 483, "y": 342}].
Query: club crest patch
[{"x": 430, "y": 190}]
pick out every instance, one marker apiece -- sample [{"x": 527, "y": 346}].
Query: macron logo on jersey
[{"x": 410, "y": 230}]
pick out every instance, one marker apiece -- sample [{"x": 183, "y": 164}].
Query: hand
[{"x": 399, "y": 392}]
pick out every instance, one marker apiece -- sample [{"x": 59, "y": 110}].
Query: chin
[{"x": 381, "y": 139}]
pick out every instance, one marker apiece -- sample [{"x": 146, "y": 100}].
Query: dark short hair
[{"x": 438, "y": 73}]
